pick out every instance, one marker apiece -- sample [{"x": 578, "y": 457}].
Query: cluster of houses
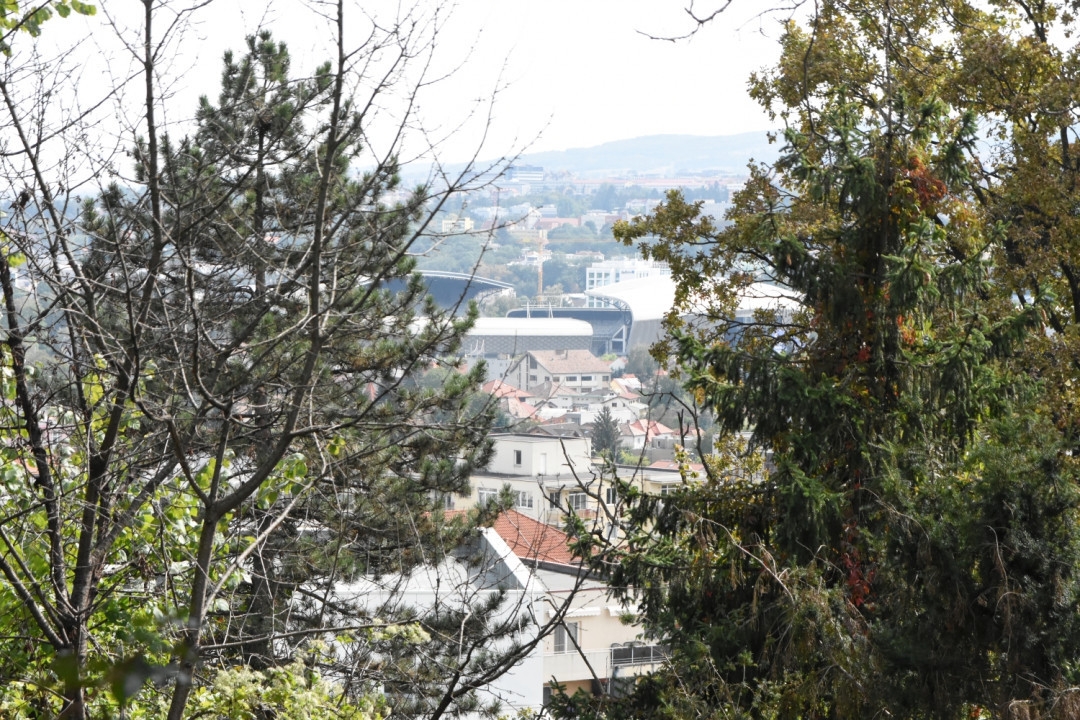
[
  {"x": 594, "y": 645},
  {"x": 540, "y": 474},
  {"x": 564, "y": 391}
]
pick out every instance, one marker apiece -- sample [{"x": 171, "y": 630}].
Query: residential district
[{"x": 558, "y": 363}]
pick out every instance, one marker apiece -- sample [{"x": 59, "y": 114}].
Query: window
[
  {"x": 668, "y": 489},
  {"x": 523, "y": 499},
  {"x": 517, "y": 458},
  {"x": 448, "y": 501},
  {"x": 586, "y": 378},
  {"x": 577, "y": 500},
  {"x": 611, "y": 496},
  {"x": 571, "y": 378},
  {"x": 532, "y": 378},
  {"x": 553, "y": 498},
  {"x": 485, "y": 496},
  {"x": 566, "y": 637}
]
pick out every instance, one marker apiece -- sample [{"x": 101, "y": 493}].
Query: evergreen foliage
[
  {"x": 605, "y": 435},
  {"x": 224, "y": 451},
  {"x": 912, "y": 550}
]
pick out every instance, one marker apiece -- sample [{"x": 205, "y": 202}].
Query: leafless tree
[{"x": 210, "y": 414}]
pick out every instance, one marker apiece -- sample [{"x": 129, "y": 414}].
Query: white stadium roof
[
  {"x": 529, "y": 327},
  {"x": 650, "y": 298}
]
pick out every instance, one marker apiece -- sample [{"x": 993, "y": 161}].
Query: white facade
[
  {"x": 540, "y": 455},
  {"x": 594, "y": 642},
  {"x": 494, "y": 570},
  {"x": 576, "y": 370},
  {"x": 455, "y": 224},
  {"x": 541, "y": 472},
  {"x": 610, "y": 272}
]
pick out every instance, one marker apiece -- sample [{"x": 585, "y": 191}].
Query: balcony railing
[
  {"x": 570, "y": 666},
  {"x": 637, "y": 655}
]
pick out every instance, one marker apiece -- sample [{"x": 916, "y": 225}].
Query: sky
[
  {"x": 580, "y": 72},
  {"x": 563, "y": 73}
]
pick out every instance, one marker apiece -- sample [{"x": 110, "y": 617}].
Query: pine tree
[{"x": 225, "y": 430}]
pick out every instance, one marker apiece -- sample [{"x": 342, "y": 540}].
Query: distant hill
[{"x": 666, "y": 154}]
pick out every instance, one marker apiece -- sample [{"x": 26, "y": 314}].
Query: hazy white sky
[
  {"x": 581, "y": 73},
  {"x": 571, "y": 73}
]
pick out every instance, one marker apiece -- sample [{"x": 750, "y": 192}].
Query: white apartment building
[
  {"x": 613, "y": 271},
  {"x": 546, "y": 476},
  {"x": 455, "y": 224}
]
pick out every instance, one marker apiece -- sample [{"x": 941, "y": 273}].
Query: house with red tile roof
[
  {"x": 577, "y": 369},
  {"x": 641, "y": 433},
  {"x": 592, "y": 646},
  {"x": 499, "y": 389}
]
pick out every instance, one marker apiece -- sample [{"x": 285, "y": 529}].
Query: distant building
[
  {"x": 455, "y": 224},
  {"x": 611, "y": 325},
  {"x": 610, "y": 272},
  {"x": 641, "y": 433},
  {"x": 550, "y": 223},
  {"x": 599, "y": 219},
  {"x": 499, "y": 341},
  {"x": 539, "y": 471},
  {"x": 577, "y": 369},
  {"x": 525, "y": 174}
]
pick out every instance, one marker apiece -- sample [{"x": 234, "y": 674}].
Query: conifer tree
[
  {"x": 223, "y": 433},
  {"x": 605, "y": 435},
  {"x": 913, "y": 549}
]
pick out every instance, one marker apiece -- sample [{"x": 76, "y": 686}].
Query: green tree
[
  {"x": 14, "y": 18},
  {"x": 570, "y": 232},
  {"x": 913, "y": 550},
  {"x": 640, "y": 363},
  {"x": 225, "y": 427},
  {"x": 605, "y": 435}
]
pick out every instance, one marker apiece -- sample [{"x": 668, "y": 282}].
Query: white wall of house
[
  {"x": 533, "y": 455},
  {"x": 527, "y": 492},
  {"x": 453, "y": 583},
  {"x": 590, "y": 381},
  {"x": 595, "y": 622}
]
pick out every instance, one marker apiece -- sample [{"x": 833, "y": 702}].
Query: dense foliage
[
  {"x": 217, "y": 467},
  {"x": 912, "y": 549}
]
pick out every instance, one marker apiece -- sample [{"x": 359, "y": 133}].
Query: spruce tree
[{"x": 605, "y": 435}]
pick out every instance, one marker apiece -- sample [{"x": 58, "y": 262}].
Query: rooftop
[
  {"x": 501, "y": 389},
  {"x": 533, "y": 540},
  {"x": 570, "y": 361},
  {"x": 531, "y": 327}
]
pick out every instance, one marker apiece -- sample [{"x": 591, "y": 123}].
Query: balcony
[
  {"x": 637, "y": 655},
  {"x": 570, "y": 666}
]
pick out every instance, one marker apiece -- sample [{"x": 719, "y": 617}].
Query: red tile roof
[
  {"x": 533, "y": 540},
  {"x": 516, "y": 408},
  {"x": 649, "y": 428},
  {"x": 501, "y": 389},
  {"x": 561, "y": 362}
]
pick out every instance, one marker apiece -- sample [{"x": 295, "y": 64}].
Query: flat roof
[
  {"x": 531, "y": 327},
  {"x": 650, "y": 298}
]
